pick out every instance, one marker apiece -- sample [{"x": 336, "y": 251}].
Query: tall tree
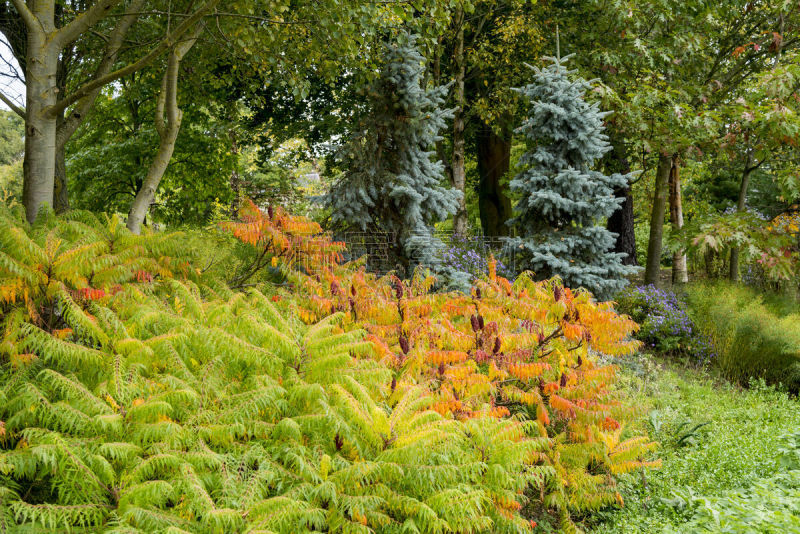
[
  {"x": 562, "y": 200},
  {"x": 44, "y": 44},
  {"x": 391, "y": 183}
]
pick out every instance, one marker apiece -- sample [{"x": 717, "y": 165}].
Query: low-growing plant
[
  {"x": 769, "y": 506},
  {"x": 665, "y": 326},
  {"x": 741, "y": 447}
]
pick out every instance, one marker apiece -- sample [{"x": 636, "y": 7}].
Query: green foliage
[
  {"x": 562, "y": 200},
  {"x": 742, "y": 446},
  {"x": 12, "y": 137},
  {"x": 391, "y": 183},
  {"x": 750, "y": 340},
  {"x": 771, "y": 505},
  {"x": 140, "y": 395}
]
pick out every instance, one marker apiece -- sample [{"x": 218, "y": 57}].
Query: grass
[{"x": 735, "y": 445}]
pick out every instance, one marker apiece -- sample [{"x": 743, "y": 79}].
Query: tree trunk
[
  {"x": 236, "y": 181},
  {"x": 741, "y": 204},
  {"x": 679, "y": 271},
  {"x": 653, "y": 267},
  {"x": 459, "y": 175},
  {"x": 40, "y": 126},
  {"x": 168, "y": 124},
  {"x": 494, "y": 157},
  {"x": 621, "y": 221},
  {"x": 60, "y": 191}
]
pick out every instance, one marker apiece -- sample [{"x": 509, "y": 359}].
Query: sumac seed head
[{"x": 404, "y": 344}]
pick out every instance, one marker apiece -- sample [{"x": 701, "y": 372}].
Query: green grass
[{"x": 737, "y": 448}]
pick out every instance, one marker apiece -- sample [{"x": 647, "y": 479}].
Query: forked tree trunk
[
  {"x": 494, "y": 157},
  {"x": 459, "y": 173},
  {"x": 654, "y": 245},
  {"x": 168, "y": 124},
  {"x": 680, "y": 274}
]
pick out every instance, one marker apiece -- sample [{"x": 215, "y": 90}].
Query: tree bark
[
  {"x": 494, "y": 158},
  {"x": 680, "y": 274},
  {"x": 459, "y": 174},
  {"x": 236, "y": 181},
  {"x": 168, "y": 124},
  {"x": 44, "y": 44},
  {"x": 741, "y": 204},
  {"x": 60, "y": 190},
  {"x": 654, "y": 245},
  {"x": 621, "y": 221},
  {"x": 40, "y": 125}
]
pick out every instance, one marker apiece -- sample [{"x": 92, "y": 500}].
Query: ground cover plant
[
  {"x": 141, "y": 395},
  {"x": 729, "y": 465}
]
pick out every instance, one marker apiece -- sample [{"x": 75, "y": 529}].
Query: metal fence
[{"x": 468, "y": 253}]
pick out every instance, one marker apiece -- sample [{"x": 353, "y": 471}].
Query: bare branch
[
  {"x": 168, "y": 42},
  {"x": 84, "y": 21},
  {"x": 113, "y": 45},
  {"x": 27, "y": 15},
  {"x": 12, "y": 105}
]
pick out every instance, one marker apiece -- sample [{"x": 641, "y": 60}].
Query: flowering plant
[
  {"x": 472, "y": 255},
  {"x": 665, "y": 326}
]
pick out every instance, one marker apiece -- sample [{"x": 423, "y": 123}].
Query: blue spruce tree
[
  {"x": 391, "y": 182},
  {"x": 563, "y": 202}
]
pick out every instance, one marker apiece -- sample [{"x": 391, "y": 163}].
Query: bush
[
  {"x": 665, "y": 326},
  {"x": 139, "y": 393},
  {"x": 751, "y": 340}
]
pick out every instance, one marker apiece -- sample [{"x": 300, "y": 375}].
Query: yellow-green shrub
[{"x": 750, "y": 339}]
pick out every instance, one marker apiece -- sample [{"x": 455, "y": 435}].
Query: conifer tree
[
  {"x": 563, "y": 202},
  {"x": 391, "y": 183}
]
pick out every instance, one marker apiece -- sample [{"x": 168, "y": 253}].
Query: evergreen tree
[
  {"x": 391, "y": 183},
  {"x": 563, "y": 203}
]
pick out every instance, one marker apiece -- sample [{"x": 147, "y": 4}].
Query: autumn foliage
[
  {"x": 525, "y": 350},
  {"x": 141, "y": 393}
]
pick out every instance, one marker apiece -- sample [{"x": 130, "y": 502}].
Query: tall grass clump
[{"x": 750, "y": 336}]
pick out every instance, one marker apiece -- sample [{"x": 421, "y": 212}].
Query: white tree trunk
[{"x": 40, "y": 126}]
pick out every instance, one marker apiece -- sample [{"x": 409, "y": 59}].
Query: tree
[
  {"x": 483, "y": 49},
  {"x": 563, "y": 202},
  {"x": 390, "y": 183},
  {"x": 44, "y": 43},
  {"x": 168, "y": 119}
]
